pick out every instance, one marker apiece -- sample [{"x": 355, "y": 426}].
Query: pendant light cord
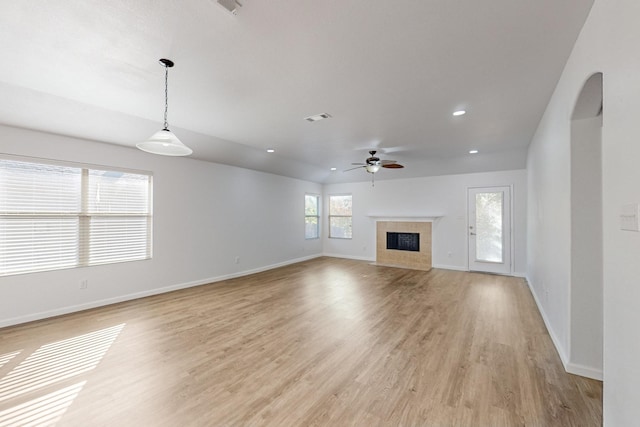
[{"x": 166, "y": 96}]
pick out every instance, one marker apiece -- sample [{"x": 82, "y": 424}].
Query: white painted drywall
[
  {"x": 430, "y": 196},
  {"x": 608, "y": 43},
  {"x": 585, "y": 351},
  {"x": 205, "y": 215}
]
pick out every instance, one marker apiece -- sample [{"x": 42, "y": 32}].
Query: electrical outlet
[
  {"x": 84, "y": 283},
  {"x": 449, "y": 254},
  {"x": 237, "y": 260}
]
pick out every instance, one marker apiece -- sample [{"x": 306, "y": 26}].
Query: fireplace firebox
[{"x": 403, "y": 241}]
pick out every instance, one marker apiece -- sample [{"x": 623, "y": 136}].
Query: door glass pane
[{"x": 489, "y": 220}]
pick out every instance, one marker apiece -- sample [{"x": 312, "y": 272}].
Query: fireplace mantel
[{"x": 406, "y": 218}]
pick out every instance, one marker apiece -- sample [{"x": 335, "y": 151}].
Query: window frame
[
  {"x": 84, "y": 215},
  {"x": 316, "y": 216},
  {"x": 330, "y": 216}
]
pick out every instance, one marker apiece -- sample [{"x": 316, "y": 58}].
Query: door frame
[{"x": 510, "y": 269}]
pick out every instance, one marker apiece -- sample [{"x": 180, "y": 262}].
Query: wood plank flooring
[{"x": 328, "y": 342}]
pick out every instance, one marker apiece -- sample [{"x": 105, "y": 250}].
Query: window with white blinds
[{"x": 56, "y": 216}]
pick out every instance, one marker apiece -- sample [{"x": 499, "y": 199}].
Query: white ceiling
[{"x": 389, "y": 72}]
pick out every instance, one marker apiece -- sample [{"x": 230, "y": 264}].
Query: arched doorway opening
[{"x": 586, "y": 320}]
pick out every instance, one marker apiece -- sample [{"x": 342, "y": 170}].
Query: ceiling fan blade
[
  {"x": 388, "y": 162},
  {"x": 392, "y": 166},
  {"x": 357, "y": 167},
  {"x": 358, "y": 164}
]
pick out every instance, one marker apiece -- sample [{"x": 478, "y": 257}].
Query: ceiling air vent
[
  {"x": 230, "y": 5},
  {"x": 317, "y": 117}
]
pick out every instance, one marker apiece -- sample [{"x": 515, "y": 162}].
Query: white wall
[
  {"x": 204, "y": 216},
  {"x": 430, "y": 196},
  {"x": 608, "y": 43}
]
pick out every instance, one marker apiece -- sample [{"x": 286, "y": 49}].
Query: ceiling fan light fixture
[
  {"x": 164, "y": 142},
  {"x": 372, "y": 168}
]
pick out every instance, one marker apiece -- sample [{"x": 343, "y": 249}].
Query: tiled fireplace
[{"x": 397, "y": 241}]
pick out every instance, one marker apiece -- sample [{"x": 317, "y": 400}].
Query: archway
[{"x": 586, "y": 321}]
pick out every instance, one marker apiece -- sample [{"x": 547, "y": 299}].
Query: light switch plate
[{"x": 630, "y": 217}]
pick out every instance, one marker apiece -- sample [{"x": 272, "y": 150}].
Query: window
[
  {"x": 340, "y": 217},
  {"x": 311, "y": 216},
  {"x": 54, "y": 216}
]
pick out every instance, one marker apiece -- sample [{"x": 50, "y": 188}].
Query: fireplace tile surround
[{"x": 420, "y": 260}]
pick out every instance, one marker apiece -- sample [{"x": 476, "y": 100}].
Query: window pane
[
  {"x": 116, "y": 239},
  {"x": 340, "y": 205},
  {"x": 489, "y": 227},
  {"x": 37, "y": 243},
  {"x": 340, "y": 227},
  {"x": 34, "y": 187},
  {"x": 118, "y": 192},
  {"x": 310, "y": 205},
  {"x": 311, "y": 227}
]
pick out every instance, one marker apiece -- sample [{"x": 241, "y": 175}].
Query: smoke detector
[{"x": 230, "y": 5}]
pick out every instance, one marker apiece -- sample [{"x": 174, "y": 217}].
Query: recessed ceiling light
[
  {"x": 459, "y": 113},
  {"x": 270, "y": 150},
  {"x": 317, "y": 117},
  {"x": 334, "y": 169},
  {"x": 473, "y": 151}
]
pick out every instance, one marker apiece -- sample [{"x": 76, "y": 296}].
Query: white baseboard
[
  {"x": 128, "y": 297},
  {"x": 584, "y": 371},
  {"x": 450, "y": 267}
]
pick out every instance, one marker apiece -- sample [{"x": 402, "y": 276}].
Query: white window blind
[{"x": 56, "y": 216}]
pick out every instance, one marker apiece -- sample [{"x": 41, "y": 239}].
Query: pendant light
[{"x": 164, "y": 142}]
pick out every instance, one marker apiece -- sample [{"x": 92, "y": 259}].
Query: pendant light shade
[{"x": 164, "y": 142}]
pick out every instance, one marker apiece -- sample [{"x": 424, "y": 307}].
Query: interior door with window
[{"x": 490, "y": 229}]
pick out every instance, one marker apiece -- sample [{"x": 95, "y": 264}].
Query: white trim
[
  {"x": 406, "y": 218},
  {"x": 584, "y": 371},
  {"x": 450, "y": 267},
  {"x": 143, "y": 294}
]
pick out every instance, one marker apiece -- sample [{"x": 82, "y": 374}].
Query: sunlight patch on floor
[{"x": 46, "y": 369}]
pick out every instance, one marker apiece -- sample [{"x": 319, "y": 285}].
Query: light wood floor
[{"x": 324, "y": 342}]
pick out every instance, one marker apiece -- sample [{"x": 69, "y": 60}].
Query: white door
[{"x": 490, "y": 229}]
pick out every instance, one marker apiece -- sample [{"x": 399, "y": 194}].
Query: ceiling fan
[{"x": 373, "y": 164}]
